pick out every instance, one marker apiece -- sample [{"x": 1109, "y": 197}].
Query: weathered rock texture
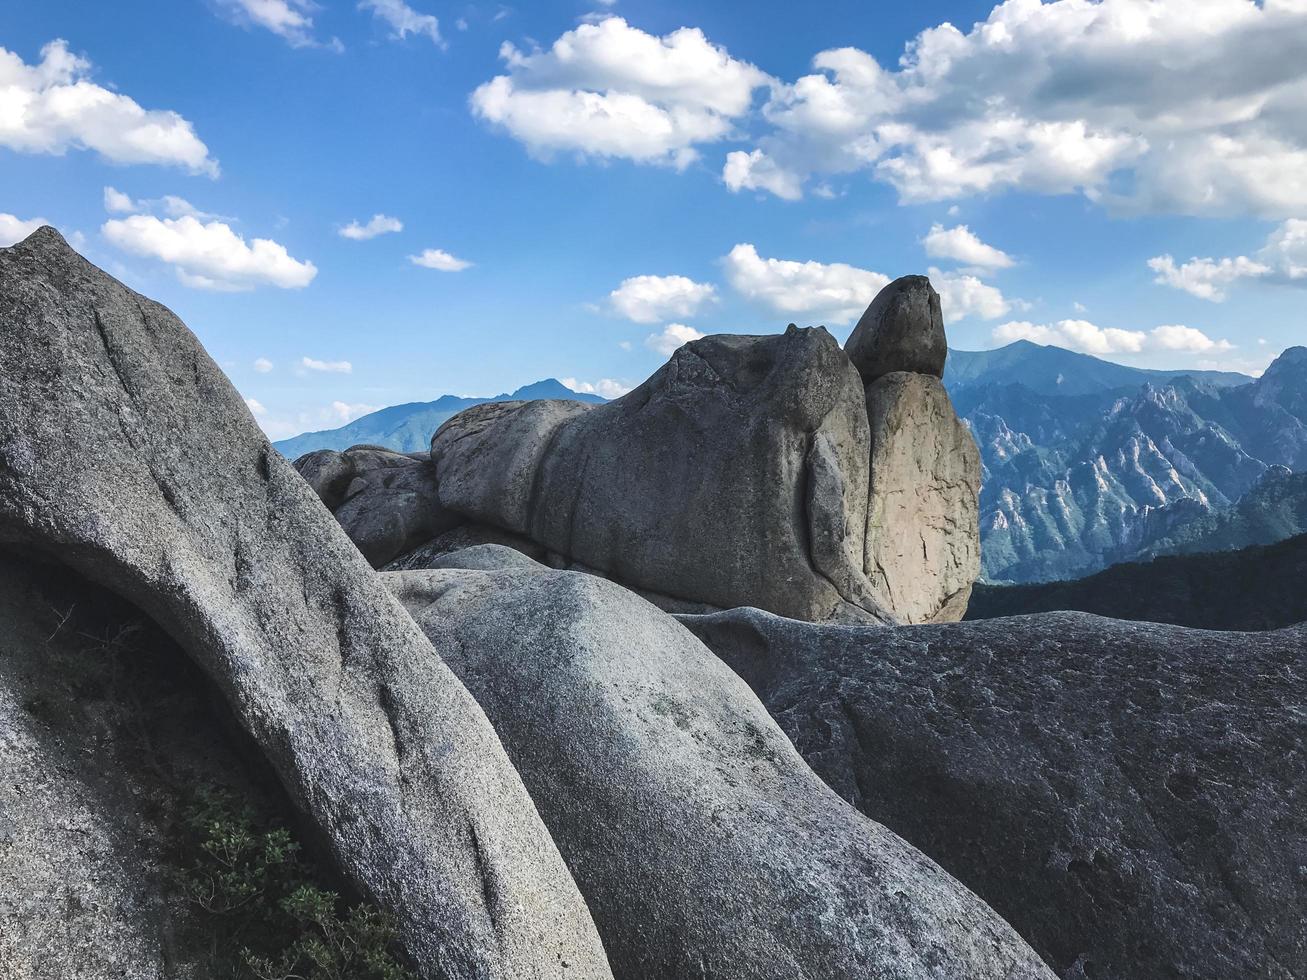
[
  {"x": 748, "y": 471},
  {"x": 106, "y": 732},
  {"x": 902, "y": 330},
  {"x": 386, "y": 501},
  {"x": 1128, "y": 796},
  {"x": 126, "y": 454},
  {"x": 923, "y": 534},
  {"x": 702, "y": 842},
  {"x": 736, "y": 475}
]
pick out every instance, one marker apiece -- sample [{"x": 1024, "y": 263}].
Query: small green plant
[{"x": 269, "y": 915}]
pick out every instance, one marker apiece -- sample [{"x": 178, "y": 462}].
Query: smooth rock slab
[
  {"x": 703, "y": 844},
  {"x": 127, "y": 455},
  {"x": 1132, "y": 798},
  {"x": 923, "y": 527}
]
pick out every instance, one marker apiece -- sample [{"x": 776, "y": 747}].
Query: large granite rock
[
  {"x": 703, "y": 844},
  {"x": 923, "y": 531},
  {"x": 126, "y": 455},
  {"x": 902, "y": 330},
  {"x": 1128, "y": 796},
  {"x": 736, "y": 475},
  {"x": 386, "y": 501}
]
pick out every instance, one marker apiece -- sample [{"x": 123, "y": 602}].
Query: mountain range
[
  {"x": 408, "y": 428},
  {"x": 1088, "y": 463}
]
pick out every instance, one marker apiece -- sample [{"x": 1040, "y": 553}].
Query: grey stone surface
[
  {"x": 487, "y": 558},
  {"x": 461, "y": 538},
  {"x": 702, "y": 842},
  {"x": 386, "y": 501},
  {"x": 923, "y": 531},
  {"x": 127, "y": 455},
  {"x": 902, "y": 330},
  {"x": 1130, "y": 797},
  {"x": 107, "y": 732},
  {"x": 736, "y": 475}
]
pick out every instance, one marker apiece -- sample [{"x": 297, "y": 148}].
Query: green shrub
[{"x": 267, "y": 911}]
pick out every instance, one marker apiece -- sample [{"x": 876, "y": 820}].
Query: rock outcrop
[
  {"x": 902, "y": 330},
  {"x": 748, "y": 471},
  {"x": 702, "y": 842},
  {"x": 386, "y": 501},
  {"x": 923, "y": 532},
  {"x": 126, "y": 455},
  {"x": 1128, "y": 796}
]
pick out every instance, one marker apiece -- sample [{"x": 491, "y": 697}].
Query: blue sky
[{"x": 582, "y": 185}]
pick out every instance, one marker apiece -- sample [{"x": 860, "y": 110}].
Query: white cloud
[
  {"x": 210, "y": 255},
  {"x": 53, "y": 107},
  {"x": 116, "y": 202},
  {"x": 288, "y": 19},
  {"x": 1282, "y": 260},
  {"x": 672, "y": 337},
  {"x": 347, "y": 412},
  {"x": 604, "y": 387},
  {"x": 435, "y": 258},
  {"x": 758, "y": 172},
  {"x": 1188, "y": 339},
  {"x": 403, "y": 19},
  {"x": 836, "y": 292},
  {"x": 1066, "y": 96},
  {"x": 255, "y": 406},
  {"x": 961, "y": 245},
  {"x": 648, "y": 299},
  {"x": 381, "y": 224},
  {"x": 329, "y": 367},
  {"x": 1089, "y": 338},
  {"x": 262, "y": 365},
  {"x": 13, "y": 229},
  {"x": 962, "y": 295},
  {"x": 1205, "y": 278},
  {"x": 610, "y": 90}
]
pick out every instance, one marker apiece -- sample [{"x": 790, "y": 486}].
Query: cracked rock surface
[
  {"x": 703, "y": 843},
  {"x": 127, "y": 455},
  {"x": 1131, "y": 797}
]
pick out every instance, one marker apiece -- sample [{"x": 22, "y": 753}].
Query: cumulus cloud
[
  {"x": 210, "y": 255},
  {"x": 349, "y": 411},
  {"x": 609, "y": 90},
  {"x": 381, "y": 224},
  {"x": 53, "y": 107},
  {"x": 756, "y": 171},
  {"x": 262, "y": 365},
  {"x": 116, "y": 202},
  {"x": 604, "y": 387},
  {"x": 671, "y": 338},
  {"x": 440, "y": 260},
  {"x": 1066, "y": 96},
  {"x": 812, "y": 290},
  {"x": 255, "y": 406},
  {"x": 1205, "y": 278},
  {"x": 648, "y": 299},
  {"x": 961, "y": 245},
  {"x": 328, "y": 367},
  {"x": 403, "y": 20},
  {"x": 1089, "y": 338},
  {"x": 1282, "y": 260},
  {"x": 963, "y": 295},
  {"x": 14, "y": 229},
  {"x": 291, "y": 20}
]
